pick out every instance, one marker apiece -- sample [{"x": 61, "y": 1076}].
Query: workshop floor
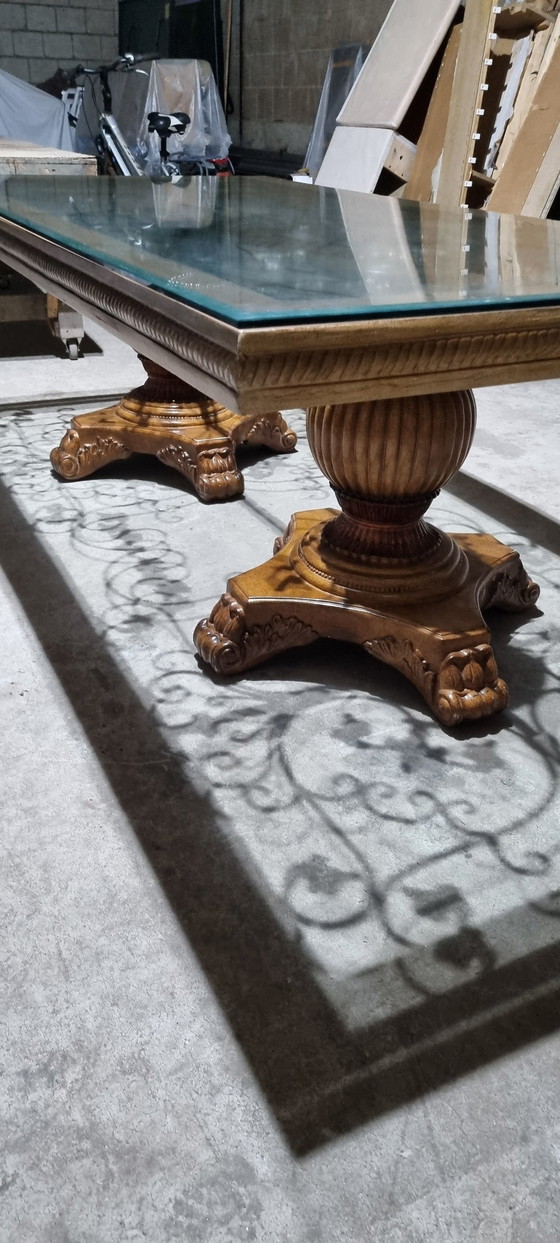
[{"x": 280, "y": 954}]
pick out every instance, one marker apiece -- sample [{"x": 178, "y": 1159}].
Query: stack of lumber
[{"x": 491, "y": 135}]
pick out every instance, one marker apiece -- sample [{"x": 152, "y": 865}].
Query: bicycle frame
[{"x": 113, "y": 141}]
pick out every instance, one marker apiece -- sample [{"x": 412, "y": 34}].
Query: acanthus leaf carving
[
  {"x": 274, "y": 432},
  {"x": 75, "y": 459},
  {"x": 226, "y": 642},
  {"x": 402, "y": 655},
  {"x": 211, "y": 470},
  {"x": 512, "y": 592},
  {"x": 465, "y": 687}
]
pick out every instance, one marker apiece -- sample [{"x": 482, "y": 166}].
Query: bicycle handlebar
[{"x": 127, "y": 61}]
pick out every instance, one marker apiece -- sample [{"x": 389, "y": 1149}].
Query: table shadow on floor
[
  {"x": 331, "y": 1040},
  {"x": 518, "y": 515}
]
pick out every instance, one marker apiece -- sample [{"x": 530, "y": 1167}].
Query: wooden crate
[
  {"x": 27, "y": 158},
  {"x": 20, "y": 301}
]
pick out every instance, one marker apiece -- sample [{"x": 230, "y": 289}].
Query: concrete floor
[{"x": 280, "y": 955}]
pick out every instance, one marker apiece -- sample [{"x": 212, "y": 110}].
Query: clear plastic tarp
[
  {"x": 167, "y": 86},
  {"x": 30, "y": 115},
  {"x": 345, "y": 63}
]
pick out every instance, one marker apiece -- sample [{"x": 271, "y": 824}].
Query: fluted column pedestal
[
  {"x": 180, "y": 426},
  {"x": 376, "y": 572}
]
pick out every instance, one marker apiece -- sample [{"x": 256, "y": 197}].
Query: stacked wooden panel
[
  {"x": 527, "y": 173},
  {"x": 491, "y": 135},
  {"x": 492, "y": 132}
]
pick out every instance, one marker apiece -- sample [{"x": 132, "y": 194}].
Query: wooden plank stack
[
  {"x": 504, "y": 152},
  {"x": 491, "y": 135}
]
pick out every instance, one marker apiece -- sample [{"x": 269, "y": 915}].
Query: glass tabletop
[{"x": 259, "y": 251}]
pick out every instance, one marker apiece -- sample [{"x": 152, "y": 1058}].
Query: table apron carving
[{"x": 255, "y": 370}]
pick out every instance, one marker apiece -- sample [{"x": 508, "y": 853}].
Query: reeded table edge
[{"x": 256, "y": 370}]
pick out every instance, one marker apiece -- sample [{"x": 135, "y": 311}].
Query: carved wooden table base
[
  {"x": 171, "y": 420},
  {"x": 377, "y": 573}
]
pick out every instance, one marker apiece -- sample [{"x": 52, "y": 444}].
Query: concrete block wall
[
  {"x": 36, "y": 38},
  {"x": 286, "y": 46}
]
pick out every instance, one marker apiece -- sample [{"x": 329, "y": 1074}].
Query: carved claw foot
[
  {"x": 273, "y": 431},
  {"x": 468, "y": 686},
  {"x": 229, "y": 645},
  {"x": 76, "y": 458},
  {"x": 465, "y": 687},
  {"x": 212, "y": 470},
  {"x": 511, "y": 590},
  {"x": 220, "y": 637}
]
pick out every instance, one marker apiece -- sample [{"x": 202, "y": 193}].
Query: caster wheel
[{"x": 73, "y": 350}]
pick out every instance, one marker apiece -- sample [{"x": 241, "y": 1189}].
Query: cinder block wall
[
  {"x": 36, "y": 38},
  {"x": 286, "y": 46}
]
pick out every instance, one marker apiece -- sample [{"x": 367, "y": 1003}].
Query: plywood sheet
[
  {"x": 527, "y": 88},
  {"x": 527, "y": 164},
  {"x": 430, "y": 143},
  {"x": 517, "y": 19},
  {"x": 397, "y": 63}
]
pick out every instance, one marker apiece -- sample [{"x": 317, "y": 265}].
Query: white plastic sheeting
[
  {"x": 161, "y": 86},
  {"x": 188, "y": 86},
  {"x": 345, "y": 63},
  {"x": 31, "y": 115}
]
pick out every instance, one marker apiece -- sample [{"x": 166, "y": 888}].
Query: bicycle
[{"x": 113, "y": 152}]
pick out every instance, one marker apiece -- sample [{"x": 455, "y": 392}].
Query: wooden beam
[
  {"x": 467, "y": 97},
  {"x": 401, "y": 156}
]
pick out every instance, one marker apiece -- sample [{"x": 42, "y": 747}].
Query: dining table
[{"x": 249, "y": 296}]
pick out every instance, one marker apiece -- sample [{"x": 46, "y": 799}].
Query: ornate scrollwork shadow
[{"x": 414, "y": 874}]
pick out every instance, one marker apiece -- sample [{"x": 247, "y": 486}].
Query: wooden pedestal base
[
  {"x": 181, "y": 427},
  {"x": 442, "y": 646},
  {"x": 376, "y": 573}
]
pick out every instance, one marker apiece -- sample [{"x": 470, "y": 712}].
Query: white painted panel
[
  {"x": 355, "y": 158},
  {"x": 402, "y": 53}
]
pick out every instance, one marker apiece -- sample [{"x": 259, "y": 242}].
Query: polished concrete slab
[{"x": 280, "y": 953}]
